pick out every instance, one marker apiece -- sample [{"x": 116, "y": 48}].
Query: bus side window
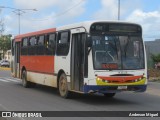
[
  {"x": 32, "y": 48},
  {"x": 40, "y": 45},
  {"x": 51, "y": 44},
  {"x": 63, "y": 43},
  {"x": 33, "y": 41},
  {"x": 24, "y": 48}
]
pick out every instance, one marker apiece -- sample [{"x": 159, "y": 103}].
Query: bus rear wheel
[
  {"x": 63, "y": 87},
  {"x": 109, "y": 95},
  {"x": 26, "y": 83}
]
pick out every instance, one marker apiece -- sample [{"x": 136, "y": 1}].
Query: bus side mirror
[{"x": 89, "y": 42}]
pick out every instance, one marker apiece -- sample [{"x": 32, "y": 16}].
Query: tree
[
  {"x": 5, "y": 44},
  {"x": 155, "y": 58}
]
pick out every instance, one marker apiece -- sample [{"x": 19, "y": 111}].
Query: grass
[
  {"x": 154, "y": 79},
  {"x": 154, "y": 75}
]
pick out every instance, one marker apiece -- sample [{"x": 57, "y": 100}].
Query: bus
[{"x": 104, "y": 57}]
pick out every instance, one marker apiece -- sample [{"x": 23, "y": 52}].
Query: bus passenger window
[
  {"x": 63, "y": 43},
  {"x": 33, "y": 41},
  {"x": 52, "y": 43},
  {"x": 32, "y": 47},
  {"x": 24, "y": 48},
  {"x": 40, "y": 45},
  {"x": 64, "y": 37},
  {"x": 25, "y": 42},
  {"x": 52, "y": 38},
  {"x": 41, "y": 40}
]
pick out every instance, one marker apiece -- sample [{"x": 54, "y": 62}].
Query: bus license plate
[{"x": 122, "y": 87}]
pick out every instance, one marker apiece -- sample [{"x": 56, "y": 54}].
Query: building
[{"x": 7, "y": 55}]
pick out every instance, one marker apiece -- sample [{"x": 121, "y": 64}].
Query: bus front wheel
[{"x": 63, "y": 87}]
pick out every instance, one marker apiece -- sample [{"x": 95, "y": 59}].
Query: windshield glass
[{"x": 117, "y": 52}]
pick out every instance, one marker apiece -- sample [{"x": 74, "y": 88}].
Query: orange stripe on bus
[{"x": 43, "y": 64}]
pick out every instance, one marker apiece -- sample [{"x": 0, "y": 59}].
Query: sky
[{"x": 55, "y": 13}]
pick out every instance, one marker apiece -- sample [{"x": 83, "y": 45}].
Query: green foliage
[
  {"x": 155, "y": 58},
  {"x": 150, "y": 63},
  {"x": 5, "y": 43}
]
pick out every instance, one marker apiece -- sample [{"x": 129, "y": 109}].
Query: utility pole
[
  {"x": 118, "y": 9},
  {"x": 18, "y": 12}
]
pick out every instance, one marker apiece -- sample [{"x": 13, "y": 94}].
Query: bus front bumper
[{"x": 113, "y": 89}]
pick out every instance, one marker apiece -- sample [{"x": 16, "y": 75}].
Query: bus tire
[
  {"x": 109, "y": 95},
  {"x": 62, "y": 86},
  {"x": 25, "y": 83}
]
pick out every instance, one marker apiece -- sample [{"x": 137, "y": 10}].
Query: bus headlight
[
  {"x": 102, "y": 80},
  {"x": 139, "y": 79}
]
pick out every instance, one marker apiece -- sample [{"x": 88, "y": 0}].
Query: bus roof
[
  {"x": 18, "y": 37},
  {"x": 85, "y": 24}
]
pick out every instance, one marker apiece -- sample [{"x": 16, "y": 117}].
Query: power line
[
  {"x": 18, "y": 12},
  {"x": 59, "y": 14}
]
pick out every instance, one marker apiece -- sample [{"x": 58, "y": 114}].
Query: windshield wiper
[{"x": 109, "y": 53}]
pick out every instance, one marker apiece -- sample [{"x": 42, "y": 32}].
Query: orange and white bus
[{"x": 89, "y": 57}]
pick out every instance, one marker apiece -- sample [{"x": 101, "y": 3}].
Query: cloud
[
  {"x": 43, "y": 4},
  {"x": 132, "y": 12},
  {"x": 33, "y": 25},
  {"x": 50, "y": 13},
  {"x": 108, "y": 10},
  {"x": 8, "y": 24},
  {"x": 38, "y": 4},
  {"x": 150, "y": 22},
  {"x": 73, "y": 10},
  {"x": 26, "y": 24}
]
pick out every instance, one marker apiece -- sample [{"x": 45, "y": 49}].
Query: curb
[{"x": 4, "y": 68}]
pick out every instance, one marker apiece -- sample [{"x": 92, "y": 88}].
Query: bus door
[
  {"x": 77, "y": 61},
  {"x": 16, "y": 62}
]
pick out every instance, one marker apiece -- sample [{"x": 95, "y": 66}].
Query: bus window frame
[
  {"x": 49, "y": 47},
  {"x": 38, "y": 38},
  {"x": 32, "y": 48},
  {"x": 22, "y": 43},
  {"x": 63, "y": 45},
  {"x": 35, "y": 42}
]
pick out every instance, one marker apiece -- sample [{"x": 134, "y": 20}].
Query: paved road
[
  {"x": 13, "y": 97},
  {"x": 4, "y": 73}
]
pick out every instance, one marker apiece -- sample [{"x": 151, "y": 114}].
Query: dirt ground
[{"x": 154, "y": 74}]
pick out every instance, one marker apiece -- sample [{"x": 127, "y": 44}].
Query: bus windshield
[{"x": 117, "y": 52}]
